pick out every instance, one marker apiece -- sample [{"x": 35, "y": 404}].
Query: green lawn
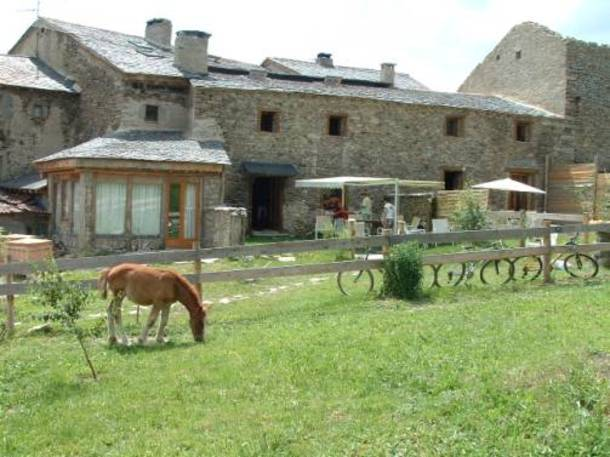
[{"x": 293, "y": 368}]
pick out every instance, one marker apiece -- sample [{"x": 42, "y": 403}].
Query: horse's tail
[{"x": 102, "y": 282}]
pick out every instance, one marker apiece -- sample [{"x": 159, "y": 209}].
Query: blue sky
[{"x": 437, "y": 41}]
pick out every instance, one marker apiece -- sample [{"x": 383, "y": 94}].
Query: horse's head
[{"x": 198, "y": 321}]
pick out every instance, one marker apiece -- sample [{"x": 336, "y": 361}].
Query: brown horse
[{"x": 154, "y": 287}]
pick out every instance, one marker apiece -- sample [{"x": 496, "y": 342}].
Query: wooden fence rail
[{"x": 11, "y": 288}]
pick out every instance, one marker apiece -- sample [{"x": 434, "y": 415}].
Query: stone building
[
  {"x": 151, "y": 115},
  {"x": 566, "y": 76}
]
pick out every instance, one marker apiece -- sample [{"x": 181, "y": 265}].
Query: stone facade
[
  {"x": 383, "y": 139},
  {"x": 33, "y": 123},
  {"x": 571, "y": 79},
  {"x": 393, "y": 126},
  {"x": 588, "y": 100}
]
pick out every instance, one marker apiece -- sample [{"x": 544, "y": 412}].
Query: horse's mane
[{"x": 185, "y": 283}]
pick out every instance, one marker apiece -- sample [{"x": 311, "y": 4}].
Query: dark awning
[{"x": 261, "y": 168}]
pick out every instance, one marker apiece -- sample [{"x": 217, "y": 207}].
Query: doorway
[
  {"x": 182, "y": 210},
  {"x": 518, "y": 201},
  {"x": 267, "y": 199}
]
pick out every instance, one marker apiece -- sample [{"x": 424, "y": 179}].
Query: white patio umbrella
[{"x": 509, "y": 185}]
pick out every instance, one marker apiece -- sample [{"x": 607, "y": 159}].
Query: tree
[{"x": 64, "y": 303}]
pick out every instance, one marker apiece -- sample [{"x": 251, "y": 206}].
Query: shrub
[
  {"x": 403, "y": 272},
  {"x": 64, "y": 303},
  {"x": 470, "y": 214}
]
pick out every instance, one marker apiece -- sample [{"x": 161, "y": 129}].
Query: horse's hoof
[{"x": 112, "y": 340}]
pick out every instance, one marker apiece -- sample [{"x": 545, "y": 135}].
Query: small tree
[
  {"x": 470, "y": 213},
  {"x": 64, "y": 302},
  {"x": 403, "y": 272}
]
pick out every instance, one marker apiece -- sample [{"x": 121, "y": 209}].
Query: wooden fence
[{"x": 10, "y": 289}]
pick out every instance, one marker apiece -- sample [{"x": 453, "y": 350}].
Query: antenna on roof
[{"x": 33, "y": 10}]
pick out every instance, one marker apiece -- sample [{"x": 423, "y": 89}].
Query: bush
[
  {"x": 403, "y": 272},
  {"x": 470, "y": 214}
]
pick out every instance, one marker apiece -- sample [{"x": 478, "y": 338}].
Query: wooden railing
[{"x": 10, "y": 289}]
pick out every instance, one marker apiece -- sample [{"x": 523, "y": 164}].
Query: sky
[{"x": 438, "y": 42}]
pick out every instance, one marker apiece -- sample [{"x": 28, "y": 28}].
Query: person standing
[
  {"x": 389, "y": 214},
  {"x": 366, "y": 207}
]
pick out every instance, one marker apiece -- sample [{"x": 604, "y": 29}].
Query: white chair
[{"x": 440, "y": 226}]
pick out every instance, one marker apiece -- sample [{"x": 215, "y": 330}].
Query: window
[
  {"x": 110, "y": 202},
  {"x": 269, "y": 121},
  {"x": 454, "y": 179},
  {"x": 454, "y": 126},
  {"x": 40, "y": 112},
  {"x": 523, "y": 131},
  {"x": 146, "y": 209},
  {"x": 518, "y": 55},
  {"x": 76, "y": 212},
  {"x": 152, "y": 113},
  {"x": 337, "y": 125}
]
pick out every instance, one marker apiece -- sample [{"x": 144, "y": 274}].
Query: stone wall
[
  {"x": 101, "y": 85},
  {"x": 529, "y": 65},
  {"x": 25, "y": 137},
  {"x": 171, "y": 97},
  {"x": 383, "y": 139},
  {"x": 588, "y": 100}
]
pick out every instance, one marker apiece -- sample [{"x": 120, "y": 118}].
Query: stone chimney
[
  {"x": 159, "y": 32},
  {"x": 191, "y": 51},
  {"x": 388, "y": 74},
  {"x": 325, "y": 60}
]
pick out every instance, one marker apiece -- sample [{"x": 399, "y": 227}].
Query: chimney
[
  {"x": 388, "y": 74},
  {"x": 325, "y": 59},
  {"x": 191, "y": 51},
  {"x": 159, "y": 32}
]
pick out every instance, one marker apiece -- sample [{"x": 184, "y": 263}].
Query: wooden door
[
  {"x": 182, "y": 214},
  {"x": 518, "y": 201}
]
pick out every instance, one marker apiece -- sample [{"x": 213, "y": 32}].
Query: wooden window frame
[
  {"x": 529, "y": 132},
  {"x": 276, "y": 120},
  {"x": 343, "y": 128},
  {"x": 460, "y": 127}
]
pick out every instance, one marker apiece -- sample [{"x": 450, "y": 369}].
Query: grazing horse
[{"x": 154, "y": 287}]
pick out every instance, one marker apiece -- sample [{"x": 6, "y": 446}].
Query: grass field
[{"x": 291, "y": 367}]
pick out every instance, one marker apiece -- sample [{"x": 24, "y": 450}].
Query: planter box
[{"x": 29, "y": 249}]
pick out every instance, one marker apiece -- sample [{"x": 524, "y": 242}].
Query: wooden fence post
[
  {"x": 386, "y": 246},
  {"x": 10, "y": 304},
  {"x": 197, "y": 266},
  {"x": 546, "y": 258}
]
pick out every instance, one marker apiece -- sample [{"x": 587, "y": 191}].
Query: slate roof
[
  {"x": 17, "y": 203},
  {"x": 410, "y": 97},
  {"x": 31, "y": 73},
  {"x": 31, "y": 182},
  {"x": 133, "y": 54},
  {"x": 402, "y": 80},
  {"x": 151, "y": 146}
]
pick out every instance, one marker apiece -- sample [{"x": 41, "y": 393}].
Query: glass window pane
[
  {"x": 173, "y": 223},
  {"x": 146, "y": 209},
  {"x": 189, "y": 211},
  {"x": 76, "y": 212},
  {"x": 110, "y": 201}
]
